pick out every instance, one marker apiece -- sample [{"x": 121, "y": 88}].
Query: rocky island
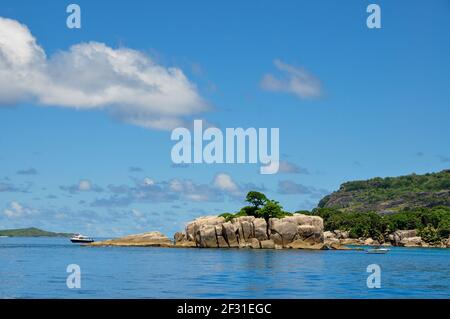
[{"x": 297, "y": 231}]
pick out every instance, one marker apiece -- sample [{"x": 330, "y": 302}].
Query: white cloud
[
  {"x": 193, "y": 191},
  {"x": 221, "y": 187},
  {"x": 198, "y": 197},
  {"x": 148, "y": 181},
  {"x": 292, "y": 80},
  {"x": 126, "y": 83},
  {"x": 176, "y": 185},
  {"x": 84, "y": 185},
  {"x": 16, "y": 210},
  {"x": 225, "y": 182}
]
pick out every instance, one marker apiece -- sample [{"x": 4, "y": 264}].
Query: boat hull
[
  {"x": 81, "y": 241},
  {"x": 377, "y": 251}
]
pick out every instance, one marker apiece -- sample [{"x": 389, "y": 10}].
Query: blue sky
[{"x": 380, "y": 107}]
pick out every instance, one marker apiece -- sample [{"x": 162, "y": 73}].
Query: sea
[{"x": 43, "y": 268}]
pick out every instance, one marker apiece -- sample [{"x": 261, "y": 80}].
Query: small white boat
[
  {"x": 78, "y": 238},
  {"x": 377, "y": 250}
]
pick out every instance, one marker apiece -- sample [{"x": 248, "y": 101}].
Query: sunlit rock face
[
  {"x": 250, "y": 232},
  {"x": 150, "y": 239}
]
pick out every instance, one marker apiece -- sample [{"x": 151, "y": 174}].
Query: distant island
[{"x": 31, "y": 232}]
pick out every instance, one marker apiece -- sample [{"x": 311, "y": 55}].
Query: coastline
[{"x": 247, "y": 232}]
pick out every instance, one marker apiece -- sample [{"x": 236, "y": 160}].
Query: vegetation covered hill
[
  {"x": 433, "y": 224},
  {"x": 31, "y": 232},
  {"x": 378, "y": 206},
  {"x": 391, "y": 194}
]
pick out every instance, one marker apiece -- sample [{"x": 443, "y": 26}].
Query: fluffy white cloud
[
  {"x": 16, "y": 210},
  {"x": 84, "y": 185},
  {"x": 292, "y": 80},
  {"x": 126, "y": 83},
  {"x": 225, "y": 182}
]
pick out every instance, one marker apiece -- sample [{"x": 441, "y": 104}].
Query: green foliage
[
  {"x": 228, "y": 216},
  {"x": 433, "y": 222},
  {"x": 257, "y": 199},
  {"x": 271, "y": 209},
  {"x": 304, "y": 212},
  {"x": 404, "y": 220},
  {"x": 248, "y": 211},
  {"x": 392, "y": 193},
  {"x": 262, "y": 207},
  {"x": 430, "y": 235},
  {"x": 444, "y": 228},
  {"x": 421, "y": 183},
  {"x": 245, "y": 211}
]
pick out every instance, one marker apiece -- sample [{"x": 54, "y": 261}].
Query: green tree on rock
[
  {"x": 271, "y": 209},
  {"x": 257, "y": 199}
]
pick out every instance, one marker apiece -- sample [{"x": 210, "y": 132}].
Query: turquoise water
[{"x": 36, "y": 268}]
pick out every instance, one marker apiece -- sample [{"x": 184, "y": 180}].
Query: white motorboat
[
  {"x": 78, "y": 238},
  {"x": 377, "y": 250}
]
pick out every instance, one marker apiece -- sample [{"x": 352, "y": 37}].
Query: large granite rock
[
  {"x": 206, "y": 236},
  {"x": 329, "y": 235},
  {"x": 301, "y": 244},
  {"x": 267, "y": 244},
  {"x": 180, "y": 240},
  {"x": 230, "y": 233},
  {"x": 412, "y": 242},
  {"x": 251, "y": 232},
  {"x": 146, "y": 239},
  {"x": 193, "y": 227},
  {"x": 399, "y": 235},
  {"x": 341, "y": 234},
  {"x": 260, "y": 229},
  {"x": 245, "y": 227},
  {"x": 254, "y": 243},
  {"x": 288, "y": 229}
]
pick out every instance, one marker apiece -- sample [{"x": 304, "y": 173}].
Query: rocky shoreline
[
  {"x": 399, "y": 238},
  {"x": 292, "y": 232},
  {"x": 150, "y": 239}
]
